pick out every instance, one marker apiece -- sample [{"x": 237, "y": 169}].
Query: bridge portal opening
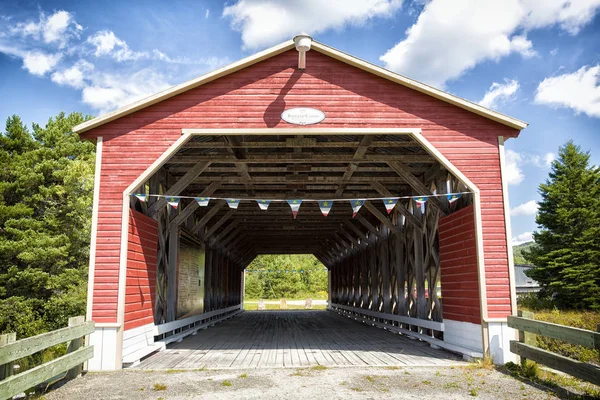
[{"x": 201, "y": 234}]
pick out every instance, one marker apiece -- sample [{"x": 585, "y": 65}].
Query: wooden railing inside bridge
[{"x": 69, "y": 366}]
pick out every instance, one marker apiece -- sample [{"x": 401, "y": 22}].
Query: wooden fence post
[
  {"x": 6, "y": 370},
  {"x": 283, "y": 304},
  {"x": 74, "y": 345},
  {"x": 526, "y": 337}
]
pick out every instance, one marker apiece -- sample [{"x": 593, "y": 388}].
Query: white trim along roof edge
[{"x": 316, "y": 46}]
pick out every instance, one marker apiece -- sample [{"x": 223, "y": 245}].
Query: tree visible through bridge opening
[{"x": 294, "y": 277}]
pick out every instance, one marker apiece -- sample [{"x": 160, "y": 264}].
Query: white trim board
[
  {"x": 320, "y": 48},
  {"x": 94, "y": 229}
]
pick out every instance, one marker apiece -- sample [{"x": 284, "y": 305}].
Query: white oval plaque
[{"x": 303, "y": 116}]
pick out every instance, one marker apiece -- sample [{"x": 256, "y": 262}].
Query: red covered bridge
[{"x": 158, "y": 273}]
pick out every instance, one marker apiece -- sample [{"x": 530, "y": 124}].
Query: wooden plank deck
[{"x": 294, "y": 339}]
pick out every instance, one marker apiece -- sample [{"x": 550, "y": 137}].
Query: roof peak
[{"x": 316, "y": 46}]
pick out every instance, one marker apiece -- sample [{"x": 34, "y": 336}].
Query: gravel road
[{"x": 310, "y": 383}]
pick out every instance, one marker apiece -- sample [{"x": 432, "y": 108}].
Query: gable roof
[{"x": 316, "y": 46}]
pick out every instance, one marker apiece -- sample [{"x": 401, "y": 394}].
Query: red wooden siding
[
  {"x": 458, "y": 265},
  {"x": 141, "y": 270},
  {"x": 254, "y": 98}
]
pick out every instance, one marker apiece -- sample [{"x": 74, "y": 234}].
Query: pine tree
[
  {"x": 46, "y": 184},
  {"x": 567, "y": 251}
]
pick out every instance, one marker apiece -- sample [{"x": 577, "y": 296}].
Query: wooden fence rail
[
  {"x": 526, "y": 348},
  {"x": 11, "y": 350}
]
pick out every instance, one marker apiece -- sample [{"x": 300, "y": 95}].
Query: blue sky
[{"x": 534, "y": 60}]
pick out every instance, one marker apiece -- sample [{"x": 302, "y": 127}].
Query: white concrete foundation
[
  {"x": 104, "y": 340},
  {"x": 500, "y": 336},
  {"x": 463, "y": 334}
]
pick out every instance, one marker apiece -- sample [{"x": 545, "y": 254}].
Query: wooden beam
[
  {"x": 401, "y": 208},
  {"x": 296, "y": 143},
  {"x": 180, "y": 185},
  {"x": 217, "y": 225},
  {"x": 193, "y": 206},
  {"x": 381, "y": 217},
  {"x": 225, "y": 231},
  {"x": 418, "y": 186},
  {"x": 368, "y": 225},
  {"x": 358, "y": 155},
  {"x": 358, "y": 232},
  {"x": 211, "y": 213},
  {"x": 301, "y": 158},
  {"x": 283, "y": 179}
]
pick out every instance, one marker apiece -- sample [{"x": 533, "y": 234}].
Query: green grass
[
  {"x": 243, "y": 376},
  {"x": 254, "y": 306},
  {"x": 319, "y": 368},
  {"x": 159, "y": 387},
  {"x": 226, "y": 383}
]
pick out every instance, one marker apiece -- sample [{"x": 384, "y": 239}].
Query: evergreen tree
[
  {"x": 567, "y": 251},
  {"x": 46, "y": 184}
]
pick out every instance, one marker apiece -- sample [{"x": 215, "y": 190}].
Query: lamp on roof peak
[{"x": 303, "y": 42}]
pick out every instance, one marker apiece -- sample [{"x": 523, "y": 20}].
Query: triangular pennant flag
[
  {"x": 233, "y": 203},
  {"x": 356, "y": 205},
  {"x": 263, "y": 204},
  {"x": 420, "y": 200},
  {"x": 173, "y": 201},
  {"x": 202, "y": 201},
  {"x": 390, "y": 203},
  {"x": 295, "y": 206},
  {"x": 452, "y": 197},
  {"x": 325, "y": 206},
  {"x": 142, "y": 197}
]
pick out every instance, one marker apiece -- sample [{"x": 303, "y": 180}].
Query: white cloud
[
  {"x": 267, "y": 22},
  {"x": 73, "y": 76},
  {"x": 529, "y": 208},
  {"x": 513, "y": 172},
  {"x": 451, "y": 37},
  {"x": 579, "y": 91},
  {"x": 522, "y": 238},
  {"x": 499, "y": 92},
  {"x": 515, "y": 161},
  {"x": 106, "y": 43},
  {"x": 38, "y": 63},
  {"x": 110, "y": 91},
  {"x": 207, "y": 13},
  {"x": 57, "y": 28}
]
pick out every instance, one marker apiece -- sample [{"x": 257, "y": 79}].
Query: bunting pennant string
[
  {"x": 233, "y": 203},
  {"x": 173, "y": 201},
  {"x": 263, "y": 204},
  {"x": 356, "y": 205},
  {"x": 390, "y": 203},
  {"x": 452, "y": 197},
  {"x": 202, "y": 201},
  {"x": 325, "y": 206},
  {"x": 295, "y": 206}
]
